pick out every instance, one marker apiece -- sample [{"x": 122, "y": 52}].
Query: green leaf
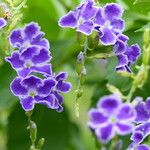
[{"x": 6, "y": 76}]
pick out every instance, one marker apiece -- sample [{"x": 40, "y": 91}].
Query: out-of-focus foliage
[{"x": 65, "y": 131}]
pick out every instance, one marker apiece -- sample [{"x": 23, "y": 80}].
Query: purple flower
[
  {"x": 143, "y": 147},
  {"x": 3, "y": 23},
  {"x": 31, "y": 59},
  {"x": 32, "y": 90},
  {"x": 82, "y": 18},
  {"x": 111, "y": 117},
  {"x": 28, "y": 36},
  {"x": 142, "y": 130},
  {"x": 108, "y": 23},
  {"x": 127, "y": 55}
]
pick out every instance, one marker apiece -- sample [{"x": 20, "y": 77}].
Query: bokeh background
[{"x": 65, "y": 131}]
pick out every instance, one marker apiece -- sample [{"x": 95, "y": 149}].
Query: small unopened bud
[
  {"x": 33, "y": 131},
  {"x": 40, "y": 143},
  {"x": 80, "y": 57},
  {"x": 119, "y": 145}
]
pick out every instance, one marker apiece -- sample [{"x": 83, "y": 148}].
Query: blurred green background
[{"x": 65, "y": 131}]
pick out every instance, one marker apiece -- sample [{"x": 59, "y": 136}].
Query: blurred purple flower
[
  {"x": 111, "y": 117},
  {"x": 28, "y": 36},
  {"x": 82, "y": 18},
  {"x": 143, "y": 147},
  {"x": 142, "y": 130},
  {"x": 3, "y": 23},
  {"x": 108, "y": 23},
  {"x": 31, "y": 59},
  {"x": 127, "y": 55}
]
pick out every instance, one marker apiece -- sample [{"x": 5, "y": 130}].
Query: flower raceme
[
  {"x": 108, "y": 22},
  {"x": 111, "y": 117},
  {"x": 33, "y": 56}
]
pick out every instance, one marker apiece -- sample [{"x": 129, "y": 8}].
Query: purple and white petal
[
  {"x": 62, "y": 76},
  {"x": 43, "y": 56},
  {"x": 123, "y": 37},
  {"x": 3, "y": 23},
  {"x": 63, "y": 86},
  {"x": 15, "y": 60},
  {"x": 119, "y": 47},
  {"x": 109, "y": 103},
  {"x": 46, "y": 69},
  {"x": 118, "y": 25},
  {"x": 107, "y": 37},
  {"x": 86, "y": 27},
  {"x": 133, "y": 52},
  {"x": 126, "y": 113},
  {"x": 24, "y": 72},
  {"x": 68, "y": 20},
  {"x": 32, "y": 82},
  {"x": 112, "y": 11},
  {"x": 147, "y": 106},
  {"x": 137, "y": 137},
  {"x": 122, "y": 60},
  {"x": 96, "y": 118},
  {"x": 27, "y": 103},
  {"x": 124, "y": 128},
  {"x": 17, "y": 88},
  {"x": 89, "y": 11},
  {"x": 99, "y": 20},
  {"x": 40, "y": 41},
  {"x": 142, "y": 113},
  {"x": 45, "y": 89},
  {"x": 143, "y": 147},
  {"x": 106, "y": 133},
  {"x": 31, "y": 30},
  {"x": 16, "y": 38}
]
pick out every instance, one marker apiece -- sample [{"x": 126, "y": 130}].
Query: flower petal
[
  {"x": 96, "y": 118},
  {"x": 27, "y": 103},
  {"x": 89, "y": 10},
  {"x": 143, "y": 147},
  {"x": 124, "y": 128},
  {"x": 122, "y": 60},
  {"x": 45, "y": 89},
  {"x": 126, "y": 112},
  {"x": 119, "y": 47},
  {"x": 112, "y": 11},
  {"x": 86, "y": 27},
  {"x": 68, "y": 20},
  {"x": 63, "y": 86},
  {"x": 107, "y": 37},
  {"x": 109, "y": 103},
  {"x": 133, "y": 52},
  {"x": 31, "y": 30},
  {"x": 137, "y": 137},
  {"x": 3, "y": 23},
  {"x": 99, "y": 19},
  {"x": 62, "y": 76},
  {"x": 17, "y": 89},
  {"x": 105, "y": 134},
  {"x": 123, "y": 37},
  {"x": 16, "y": 38},
  {"x": 15, "y": 60},
  {"x": 118, "y": 25}
]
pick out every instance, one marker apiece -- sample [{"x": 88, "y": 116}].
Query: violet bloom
[
  {"x": 31, "y": 59},
  {"x": 28, "y": 36},
  {"x": 108, "y": 23},
  {"x": 82, "y": 18},
  {"x": 111, "y": 117},
  {"x": 127, "y": 55},
  {"x": 3, "y": 23},
  {"x": 142, "y": 130},
  {"x": 143, "y": 147},
  {"x": 31, "y": 90}
]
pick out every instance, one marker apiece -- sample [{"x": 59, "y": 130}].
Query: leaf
[
  {"x": 6, "y": 76},
  {"x": 144, "y": 28}
]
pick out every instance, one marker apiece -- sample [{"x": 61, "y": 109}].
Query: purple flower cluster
[
  {"x": 3, "y": 23},
  {"x": 142, "y": 130},
  {"x": 108, "y": 22},
  {"x": 111, "y": 117},
  {"x": 31, "y": 60}
]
